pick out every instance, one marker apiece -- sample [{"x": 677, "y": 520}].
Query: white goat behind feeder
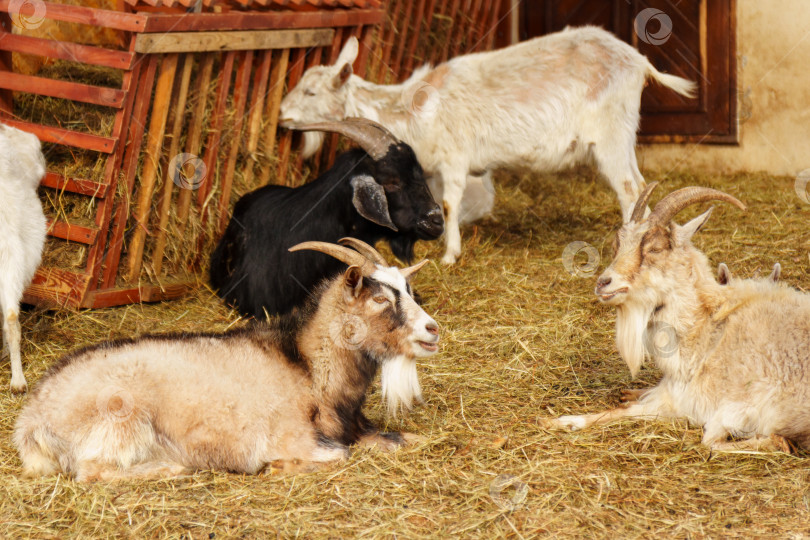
[
  {"x": 734, "y": 357},
  {"x": 547, "y": 104},
  {"x": 291, "y": 392},
  {"x": 22, "y": 234}
]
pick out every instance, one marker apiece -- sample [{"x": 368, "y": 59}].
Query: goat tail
[
  {"x": 679, "y": 85},
  {"x": 38, "y": 447}
]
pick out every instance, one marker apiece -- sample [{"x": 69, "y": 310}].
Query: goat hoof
[
  {"x": 19, "y": 388},
  {"x": 449, "y": 258},
  {"x": 570, "y": 423},
  {"x": 412, "y": 439}
]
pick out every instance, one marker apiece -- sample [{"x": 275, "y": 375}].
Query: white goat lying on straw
[
  {"x": 290, "y": 394},
  {"x": 735, "y": 358}
]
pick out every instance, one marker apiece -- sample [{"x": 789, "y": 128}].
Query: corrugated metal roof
[{"x": 261, "y": 4}]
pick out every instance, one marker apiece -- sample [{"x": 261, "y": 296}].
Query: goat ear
[
  {"x": 683, "y": 233},
  {"x": 776, "y": 272},
  {"x": 723, "y": 274},
  {"x": 342, "y": 76},
  {"x": 349, "y": 52},
  {"x": 370, "y": 202},
  {"x": 353, "y": 278}
]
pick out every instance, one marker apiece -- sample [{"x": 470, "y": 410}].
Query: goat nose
[
  {"x": 432, "y": 328},
  {"x": 435, "y": 216},
  {"x": 603, "y": 282}
]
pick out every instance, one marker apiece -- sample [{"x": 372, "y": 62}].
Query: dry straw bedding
[{"x": 522, "y": 339}]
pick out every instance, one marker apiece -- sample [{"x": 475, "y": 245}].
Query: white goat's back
[{"x": 203, "y": 403}]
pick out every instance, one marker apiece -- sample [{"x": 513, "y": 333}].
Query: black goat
[{"x": 375, "y": 193}]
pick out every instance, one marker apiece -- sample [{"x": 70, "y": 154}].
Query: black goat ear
[
  {"x": 370, "y": 202},
  {"x": 342, "y": 76}
]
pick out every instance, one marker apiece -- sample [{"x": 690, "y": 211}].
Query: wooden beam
[
  {"x": 235, "y": 20},
  {"x": 129, "y": 22},
  {"x": 65, "y": 137},
  {"x": 72, "y": 232},
  {"x": 177, "y": 42},
  {"x": 74, "y": 185},
  {"x": 55, "y": 287},
  {"x": 65, "y": 50},
  {"x": 97, "y": 95}
]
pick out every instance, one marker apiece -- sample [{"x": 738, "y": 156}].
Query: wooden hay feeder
[{"x": 186, "y": 122}]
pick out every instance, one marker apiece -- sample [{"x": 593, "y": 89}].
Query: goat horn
[
  {"x": 365, "y": 250},
  {"x": 341, "y": 253},
  {"x": 669, "y": 206},
  {"x": 371, "y": 136},
  {"x": 411, "y": 270},
  {"x": 641, "y": 203}
]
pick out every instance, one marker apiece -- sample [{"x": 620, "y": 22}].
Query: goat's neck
[
  {"x": 340, "y": 375},
  {"x": 676, "y": 327},
  {"x": 382, "y": 103}
]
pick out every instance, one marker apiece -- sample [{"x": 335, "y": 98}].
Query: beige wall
[{"x": 773, "y": 62}]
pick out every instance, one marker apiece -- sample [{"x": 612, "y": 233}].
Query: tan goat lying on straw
[
  {"x": 290, "y": 393},
  {"x": 735, "y": 358}
]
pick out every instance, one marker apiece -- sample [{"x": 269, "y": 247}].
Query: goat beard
[
  {"x": 312, "y": 143},
  {"x": 631, "y": 324},
  {"x": 400, "y": 384}
]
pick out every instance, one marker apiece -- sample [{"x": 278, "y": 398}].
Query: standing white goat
[
  {"x": 290, "y": 392},
  {"x": 734, "y": 357},
  {"x": 22, "y": 233},
  {"x": 547, "y": 103}
]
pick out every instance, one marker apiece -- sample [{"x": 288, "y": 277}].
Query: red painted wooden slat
[
  {"x": 97, "y": 95},
  {"x": 106, "y": 18},
  {"x": 256, "y": 21},
  {"x": 74, "y": 185},
  {"x": 72, "y": 232},
  {"x": 65, "y": 136},
  {"x": 65, "y": 50}
]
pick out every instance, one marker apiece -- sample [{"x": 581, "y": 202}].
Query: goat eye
[
  {"x": 380, "y": 299},
  {"x": 309, "y": 92}
]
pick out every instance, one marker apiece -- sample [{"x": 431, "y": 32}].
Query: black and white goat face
[{"x": 392, "y": 323}]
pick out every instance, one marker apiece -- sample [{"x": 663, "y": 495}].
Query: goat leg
[
  {"x": 630, "y": 395},
  {"x": 774, "y": 443},
  {"x": 650, "y": 408}
]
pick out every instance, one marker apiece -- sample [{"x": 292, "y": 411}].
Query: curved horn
[
  {"x": 365, "y": 250},
  {"x": 371, "y": 136},
  {"x": 411, "y": 270},
  {"x": 641, "y": 203},
  {"x": 669, "y": 206},
  {"x": 341, "y": 253}
]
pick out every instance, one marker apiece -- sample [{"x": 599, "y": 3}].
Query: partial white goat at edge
[
  {"x": 546, "y": 104},
  {"x": 22, "y": 234},
  {"x": 734, "y": 357}
]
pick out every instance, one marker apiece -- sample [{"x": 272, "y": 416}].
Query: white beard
[
  {"x": 312, "y": 143},
  {"x": 400, "y": 384},
  {"x": 631, "y": 324}
]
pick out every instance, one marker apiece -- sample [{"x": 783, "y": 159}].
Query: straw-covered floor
[{"x": 522, "y": 339}]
